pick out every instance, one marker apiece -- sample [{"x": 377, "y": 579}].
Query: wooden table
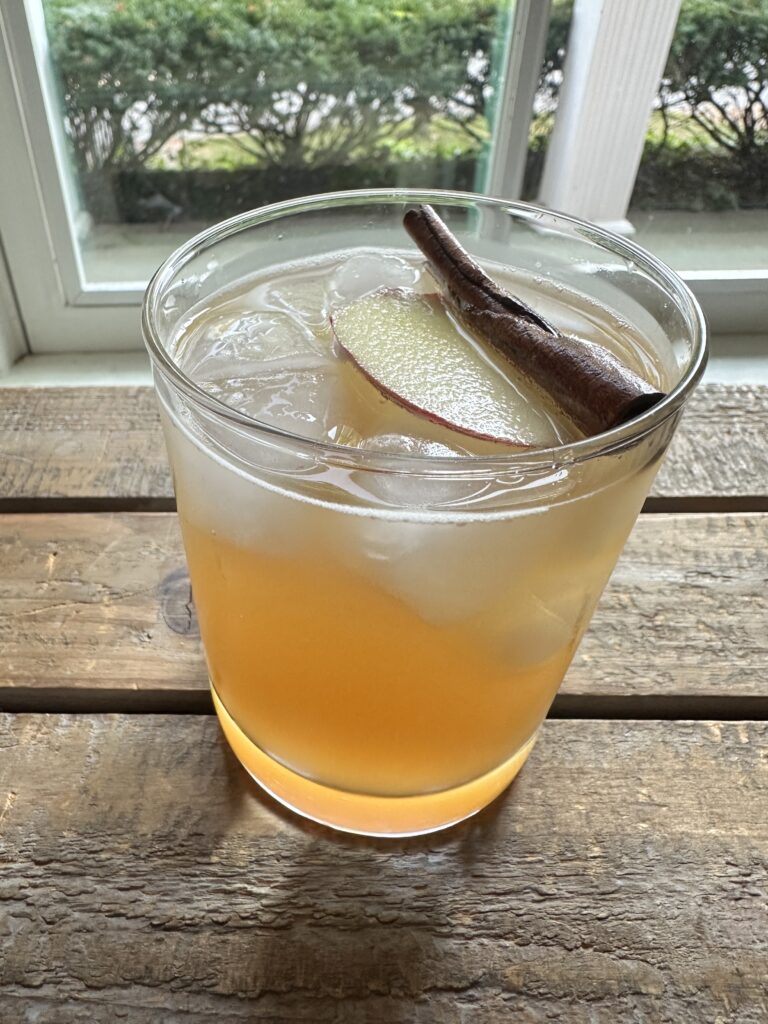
[{"x": 144, "y": 878}]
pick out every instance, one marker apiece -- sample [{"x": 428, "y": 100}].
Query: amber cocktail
[{"x": 388, "y": 604}]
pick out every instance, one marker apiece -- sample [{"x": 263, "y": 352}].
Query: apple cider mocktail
[{"x": 383, "y": 643}]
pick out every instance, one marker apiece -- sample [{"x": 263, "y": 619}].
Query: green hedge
[
  {"x": 704, "y": 180},
  {"x": 299, "y": 83},
  {"x": 140, "y": 195},
  {"x": 317, "y": 93},
  {"x": 150, "y": 195},
  {"x": 715, "y": 154}
]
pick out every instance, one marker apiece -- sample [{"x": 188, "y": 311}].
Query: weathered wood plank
[
  {"x": 623, "y": 878},
  {"x": 720, "y": 450},
  {"x": 95, "y": 614},
  {"x": 93, "y": 605},
  {"x": 102, "y": 448},
  {"x": 85, "y": 444}
]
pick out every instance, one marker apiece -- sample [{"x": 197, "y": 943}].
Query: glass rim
[{"x": 406, "y": 462}]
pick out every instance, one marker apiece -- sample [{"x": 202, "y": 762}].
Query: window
[
  {"x": 700, "y": 200},
  {"x": 134, "y": 123},
  {"x": 181, "y": 112},
  {"x": 131, "y": 124},
  {"x": 701, "y": 195}
]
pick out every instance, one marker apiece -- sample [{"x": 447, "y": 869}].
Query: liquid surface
[{"x": 267, "y": 349}]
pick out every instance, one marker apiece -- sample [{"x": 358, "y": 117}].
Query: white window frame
[
  {"x": 13, "y": 340},
  {"x": 617, "y": 50},
  {"x": 39, "y": 218}
]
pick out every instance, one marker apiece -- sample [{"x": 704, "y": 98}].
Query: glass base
[{"x": 393, "y": 817}]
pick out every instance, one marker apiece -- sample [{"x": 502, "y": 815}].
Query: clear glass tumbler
[{"x": 385, "y": 633}]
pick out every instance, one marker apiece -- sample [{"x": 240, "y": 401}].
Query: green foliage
[
  {"x": 293, "y": 83},
  {"x": 718, "y": 67},
  {"x": 134, "y": 73},
  {"x": 707, "y": 145},
  {"x": 305, "y": 94},
  {"x": 209, "y": 195}
]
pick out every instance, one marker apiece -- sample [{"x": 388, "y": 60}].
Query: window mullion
[
  {"x": 617, "y": 50},
  {"x": 515, "y": 92}
]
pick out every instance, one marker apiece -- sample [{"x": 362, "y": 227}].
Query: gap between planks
[
  {"x": 574, "y": 706},
  {"x": 654, "y": 505}
]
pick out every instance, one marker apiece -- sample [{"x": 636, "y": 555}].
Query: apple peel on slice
[{"x": 412, "y": 352}]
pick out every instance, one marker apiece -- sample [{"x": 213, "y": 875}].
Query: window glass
[
  {"x": 701, "y": 195},
  {"x": 178, "y": 113}
]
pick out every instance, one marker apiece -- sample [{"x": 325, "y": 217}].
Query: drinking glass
[{"x": 385, "y": 632}]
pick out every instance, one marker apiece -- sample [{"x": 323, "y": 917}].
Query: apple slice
[{"x": 409, "y": 348}]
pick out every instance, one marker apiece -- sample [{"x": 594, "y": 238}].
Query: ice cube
[
  {"x": 446, "y": 571},
  {"x": 237, "y": 505},
  {"x": 241, "y": 343},
  {"x": 364, "y": 272},
  {"x": 265, "y": 364},
  {"x": 298, "y": 399},
  {"x": 525, "y": 630},
  {"x": 409, "y": 489},
  {"x": 305, "y": 297}
]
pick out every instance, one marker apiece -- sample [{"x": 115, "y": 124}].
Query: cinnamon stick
[{"x": 588, "y": 382}]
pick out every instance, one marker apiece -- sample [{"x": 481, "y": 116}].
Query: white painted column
[{"x": 617, "y": 50}]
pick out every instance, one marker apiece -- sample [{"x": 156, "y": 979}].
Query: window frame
[
  {"x": 60, "y": 311},
  {"x": 13, "y": 340},
  {"x": 52, "y": 308}
]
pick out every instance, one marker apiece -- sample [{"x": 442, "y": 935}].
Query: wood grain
[
  {"x": 95, "y": 613},
  {"x": 101, "y": 448},
  {"x": 623, "y": 878},
  {"x": 719, "y": 455},
  {"x": 97, "y": 608}
]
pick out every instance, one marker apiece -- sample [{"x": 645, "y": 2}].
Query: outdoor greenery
[
  {"x": 708, "y": 142},
  {"x": 205, "y": 107}
]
